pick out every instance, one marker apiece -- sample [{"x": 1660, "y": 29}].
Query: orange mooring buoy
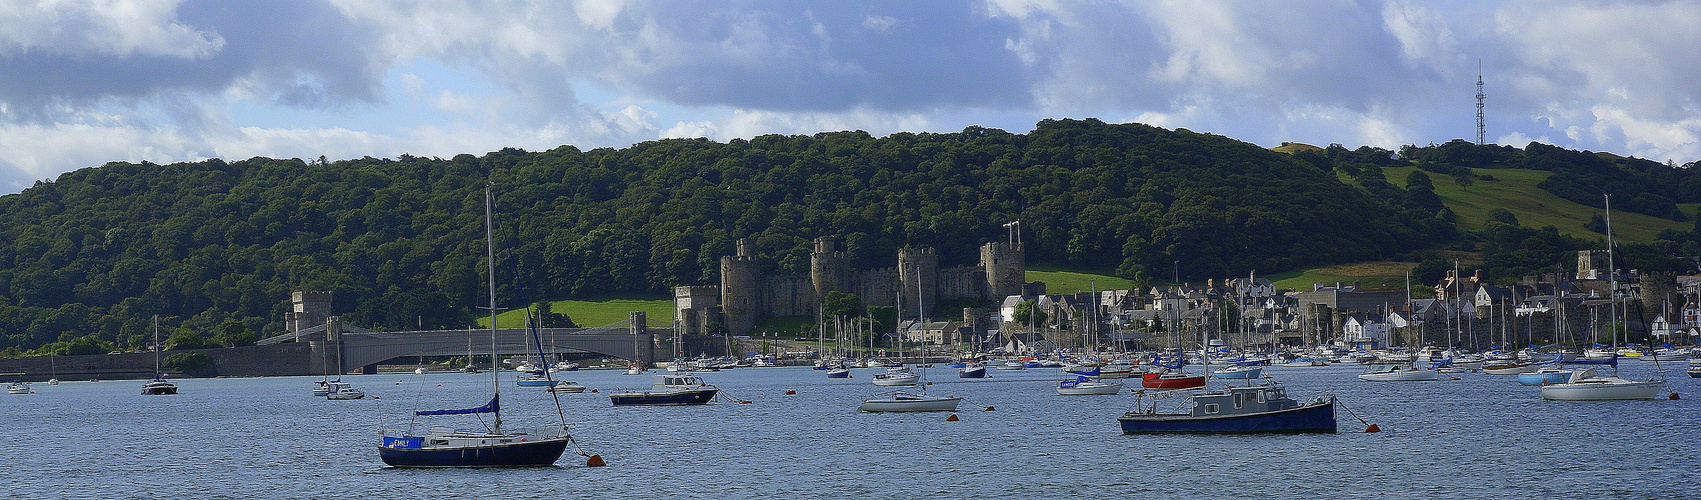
[
  {"x": 1452, "y": 378},
  {"x": 790, "y": 392},
  {"x": 1373, "y": 428},
  {"x": 952, "y": 418},
  {"x": 1672, "y": 396},
  {"x": 594, "y": 461},
  {"x": 744, "y": 401},
  {"x": 593, "y": 391}
]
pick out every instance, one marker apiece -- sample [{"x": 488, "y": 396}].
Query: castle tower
[
  {"x": 1591, "y": 264},
  {"x": 307, "y": 310},
  {"x": 918, "y": 271},
  {"x": 1006, "y": 268},
  {"x": 694, "y": 307},
  {"x": 827, "y": 268},
  {"x": 741, "y": 280}
]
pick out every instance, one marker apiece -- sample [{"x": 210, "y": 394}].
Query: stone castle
[{"x": 746, "y": 296}]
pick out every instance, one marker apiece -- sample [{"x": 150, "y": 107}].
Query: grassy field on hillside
[
  {"x": 1369, "y": 275},
  {"x": 1061, "y": 281},
  {"x": 1515, "y": 190},
  {"x": 598, "y": 311}
]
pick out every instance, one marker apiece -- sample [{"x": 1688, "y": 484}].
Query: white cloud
[
  {"x": 690, "y": 130},
  {"x": 882, "y": 24},
  {"x": 169, "y": 81},
  {"x": 105, "y": 27}
]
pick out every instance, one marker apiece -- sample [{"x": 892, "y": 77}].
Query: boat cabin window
[
  {"x": 1237, "y": 401},
  {"x": 1210, "y": 407},
  {"x": 1261, "y": 396},
  {"x": 1276, "y": 393}
]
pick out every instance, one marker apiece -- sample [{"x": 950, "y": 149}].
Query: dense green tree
[{"x": 400, "y": 243}]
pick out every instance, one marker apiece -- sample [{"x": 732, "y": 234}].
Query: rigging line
[{"x": 537, "y": 339}]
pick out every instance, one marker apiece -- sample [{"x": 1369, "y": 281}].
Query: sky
[{"x": 86, "y": 82}]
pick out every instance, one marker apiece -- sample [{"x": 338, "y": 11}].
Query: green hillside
[
  {"x": 1064, "y": 281},
  {"x": 597, "y": 312},
  {"x": 214, "y": 248},
  {"x": 1516, "y": 191}
]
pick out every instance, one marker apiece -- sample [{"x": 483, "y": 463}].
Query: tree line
[{"x": 215, "y": 247}]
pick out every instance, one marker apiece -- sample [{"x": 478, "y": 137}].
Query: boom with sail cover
[{"x": 490, "y": 407}]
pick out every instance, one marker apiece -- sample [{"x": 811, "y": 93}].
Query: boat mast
[
  {"x": 490, "y": 257},
  {"x": 156, "y": 347},
  {"x": 1612, "y": 280}
]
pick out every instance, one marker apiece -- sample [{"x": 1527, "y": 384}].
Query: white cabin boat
[
  {"x": 1396, "y": 372},
  {"x": 1586, "y": 385}
]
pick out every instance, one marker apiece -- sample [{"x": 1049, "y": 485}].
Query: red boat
[{"x": 1168, "y": 379}]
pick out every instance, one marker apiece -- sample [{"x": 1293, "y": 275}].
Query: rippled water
[{"x": 1484, "y": 436}]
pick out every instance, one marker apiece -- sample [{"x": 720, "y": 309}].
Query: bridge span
[
  {"x": 337, "y": 347},
  {"x": 372, "y": 348}
]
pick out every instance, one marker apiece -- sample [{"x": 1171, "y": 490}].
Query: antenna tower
[{"x": 1481, "y": 131}]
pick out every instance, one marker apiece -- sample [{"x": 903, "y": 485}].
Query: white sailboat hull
[
  {"x": 1090, "y": 388},
  {"x": 1401, "y": 376},
  {"x": 1602, "y": 389}
]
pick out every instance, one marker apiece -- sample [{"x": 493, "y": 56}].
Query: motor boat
[
  {"x": 1081, "y": 386},
  {"x": 896, "y": 377},
  {"x": 1396, "y": 372},
  {"x": 1262, "y": 408},
  {"x": 564, "y": 387},
  {"x": 668, "y": 390},
  {"x": 339, "y": 390},
  {"x": 972, "y": 370}
]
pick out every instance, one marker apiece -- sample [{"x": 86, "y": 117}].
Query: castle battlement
[{"x": 748, "y": 297}]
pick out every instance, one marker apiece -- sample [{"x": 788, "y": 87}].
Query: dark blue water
[{"x": 1484, "y": 436}]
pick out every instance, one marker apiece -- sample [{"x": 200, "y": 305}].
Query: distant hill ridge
[{"x": 215, "y": 247}]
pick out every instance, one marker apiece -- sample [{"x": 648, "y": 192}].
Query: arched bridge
[{"x": 339, "y": 348}]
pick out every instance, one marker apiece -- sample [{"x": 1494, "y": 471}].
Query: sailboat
[
  {"x": 158, "y": 385},
  {"x": 1586, "y": 385},
  {"x": 905, "y": 400},
  {"x": 494, "y": 446}
]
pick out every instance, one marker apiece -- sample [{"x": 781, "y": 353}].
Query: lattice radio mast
[{"x": 1481, "y": 131}]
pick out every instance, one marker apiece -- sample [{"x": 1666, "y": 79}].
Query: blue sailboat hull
[
  {"x": 1318, "y": 418},
  {"x": 541, "y": 453},
  {"x": 667, "y": 399},
  {"x": 976, "y": 372},
  {"x": 1541, "y": 378}
]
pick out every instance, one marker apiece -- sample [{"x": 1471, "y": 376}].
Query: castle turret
[
  {"x": 827, "y": 268},
  {"x": 741, "y": 279},
  {"x": 1005, "y": 267},
  {"x": 694, "y": 308},
  {"x": 918, "y": 271},
  {"x": 1592, "y": 265},
  {"x": 307, "y": 310}
]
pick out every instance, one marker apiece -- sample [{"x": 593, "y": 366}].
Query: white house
[{"x": 1366, "y": 331}]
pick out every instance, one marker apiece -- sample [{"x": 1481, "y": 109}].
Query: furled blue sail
[{"x": 487, "y": 408}]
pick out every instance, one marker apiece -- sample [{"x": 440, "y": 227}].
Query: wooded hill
[{"x": 215, "y": 247}]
